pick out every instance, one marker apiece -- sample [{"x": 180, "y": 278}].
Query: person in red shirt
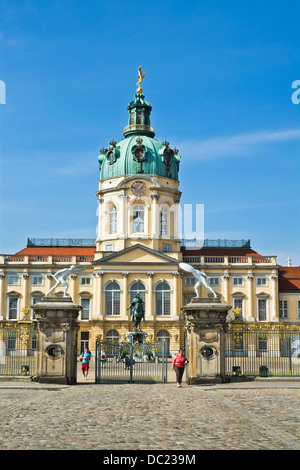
[{"x": 179, "y": 363}]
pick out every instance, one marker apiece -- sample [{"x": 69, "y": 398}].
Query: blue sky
[{"x": 219, "y": 77}]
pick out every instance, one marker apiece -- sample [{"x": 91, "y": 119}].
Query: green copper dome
[{"x": 138, "y": 153}]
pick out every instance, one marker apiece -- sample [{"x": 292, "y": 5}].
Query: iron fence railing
[
  {"x": 263, "y": 352},
  {"x": 18, "y": 351},
  {"x": 249, "y": 351}
]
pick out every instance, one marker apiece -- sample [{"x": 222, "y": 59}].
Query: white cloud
[{"x": 233, "y": 146}]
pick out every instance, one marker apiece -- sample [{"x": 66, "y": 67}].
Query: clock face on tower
[{"x": 138, "y": 188}]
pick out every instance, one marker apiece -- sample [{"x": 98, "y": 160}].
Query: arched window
[
  {"x": 162, "y": 299},
  {"x": 113, "y": 220},
  {"x": 164, "y": 220},
  {"x": 138, "y": 218},
  {"x": 164, "y": 335},
  {"x": 112, "y": 298},
  {"x": 112, "y": 336},
  {"x": 137, "y": 288}
]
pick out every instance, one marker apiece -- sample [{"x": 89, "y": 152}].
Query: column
[
  {"x": 48, "y": 283},
  {"x": 2, "y": 303},
  {"x": 250, "y": 313},
  {"x": 176, "y": 227},
  {"x": 150, "y": 311},
  {"x": 99, "y": 295},
  {"x": 101, "y": 221},
  {"x": 94, "y": 301},
  {"x": 274, "y": 311},
  {"x": 24, "y": 300},
  {"x": 122, "y": 215},
  {"x": 72, "y": 286},
  {"x": 225, "y": 286},
  {"x": 154, "y": 228},
  {"x": 124, "y": 302},
  {"x": 175, "y": 308}
]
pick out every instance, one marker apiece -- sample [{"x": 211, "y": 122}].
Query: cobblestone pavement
[{"x": 244, "y": 416}]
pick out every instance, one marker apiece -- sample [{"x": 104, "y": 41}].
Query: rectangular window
[
  {"x": 190, "y": 281},
  {"x": 34, "y": 342},
  {"x": 163, "y": 303},
  {"x": 283, "y": 309},
  {"x": 85, "y": 281},
  {"x": 261, "y": 281},
  {"x": 11, "y": 343},
  {"x": 37, "y": 280},
  {"x": 238, "y": 281},
  {"x": 109, "y": 247},
  {"x": 167, "y": 247},
  {"x": 262, "y": 342},
  {"x": 13, "y": 280},
  {"x": 84, "y": 340},
  {"x": 112, "y": 303},
  {"x": 13, "y": 308},
  {"x": 238, "y": 303},
  {"x": 85, "y": 313},
  {"x": 214, "y": 281},
  {"x": 262, "y": 309},
  {"x": 138, "y": 218}
]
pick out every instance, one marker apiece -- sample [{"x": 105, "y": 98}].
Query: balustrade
[
  {"x": 230, "y": 259},
  {"x": 7, "y": 259}
]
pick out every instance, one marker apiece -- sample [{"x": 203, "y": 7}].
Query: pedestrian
[
  {"x": 103, "y": 358},
  {"x": 179, "y": 363},
  {"x": 127, "y": 362},
  {"x": 85, "y": 357}
]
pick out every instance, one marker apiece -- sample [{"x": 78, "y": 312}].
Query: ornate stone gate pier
[
  {"x": 205, "y": 324},
  {"x": 57, "y": 329}
]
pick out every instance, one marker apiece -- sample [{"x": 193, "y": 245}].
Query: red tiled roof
[{"x": 289, "y": 279}]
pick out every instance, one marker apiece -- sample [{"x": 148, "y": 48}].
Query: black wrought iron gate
[{"x": 131, "y": 363}]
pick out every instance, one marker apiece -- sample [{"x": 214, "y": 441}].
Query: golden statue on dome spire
[{"x": 141, "y": 78}]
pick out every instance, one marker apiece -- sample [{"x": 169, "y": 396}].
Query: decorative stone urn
[{"x": 205, "y": 325}]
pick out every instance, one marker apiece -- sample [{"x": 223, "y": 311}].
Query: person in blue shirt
[{"x": 85, "y": 357}]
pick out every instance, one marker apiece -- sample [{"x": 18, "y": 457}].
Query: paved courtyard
[{"x": 258, "y": 415}]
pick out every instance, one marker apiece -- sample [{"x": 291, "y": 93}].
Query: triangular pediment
[{"x": 137, "y": 254}]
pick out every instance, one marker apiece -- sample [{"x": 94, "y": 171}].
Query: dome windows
[
  {"x": 113, "y": 220},
  {"x": 138, "y": 218}
]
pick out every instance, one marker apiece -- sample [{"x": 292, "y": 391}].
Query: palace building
[{"x": 138, "y": 250}]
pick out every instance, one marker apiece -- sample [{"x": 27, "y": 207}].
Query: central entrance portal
[{"x": 131, "y": 363}]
